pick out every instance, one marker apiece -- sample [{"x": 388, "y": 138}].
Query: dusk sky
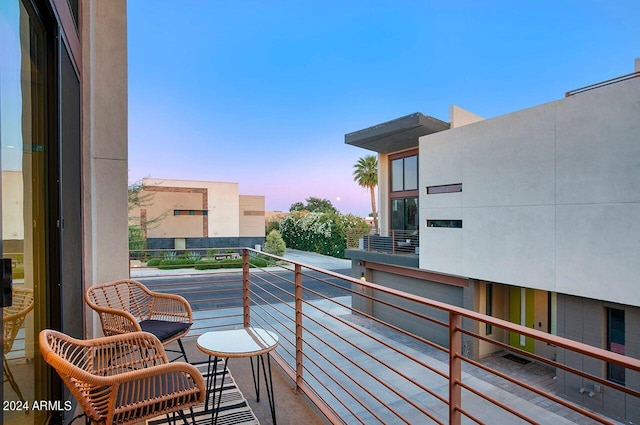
[{"x": 262, "y": 92}]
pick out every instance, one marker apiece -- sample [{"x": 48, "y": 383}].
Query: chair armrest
[
  {"x": 116, "y": 322},
  {"x": 170, "y": 307},
  {"x": 96, "y": 360},
  {"x": 122, "y": 376}
]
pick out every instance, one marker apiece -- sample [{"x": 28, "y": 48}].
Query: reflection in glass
[
  {"x": 404, "y": 213},
  {"x": 397, "y": 175},
  {"x": 404, "y": 174},
  {"x": 411, "y": 173},
  {"x": 23, "y": 96}
]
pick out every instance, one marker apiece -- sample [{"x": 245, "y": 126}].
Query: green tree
[
  {"x": 274, "y": 244},
  {"x": 314, "y": 205},
  {"x": 325, "y": 233},
  {"x": 365, "y": 173},
  {"x": 136, "y": 238},
  {"x": 138, "y": 199},
  {"x": 272, "y": 224}
]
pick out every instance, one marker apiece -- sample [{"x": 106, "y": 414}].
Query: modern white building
[{"x": 532, "y": 217}]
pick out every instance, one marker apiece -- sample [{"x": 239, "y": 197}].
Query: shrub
[
  {"x": 322, "y": 232},
  {"x": 154, "y": 262},
  {"x": 194, "y": 255},
  {"x": 272, "y": 224},
  {"x": 176, "y": 263},
  {"x": 229, "y": 263},
  {"x": 258, "y": 262},
  {"x": 137, "y": 240},
  {"x": 206, "y": 264},
  {"x": 274, "y": 244},
  {"x": 18, "y": 271}
]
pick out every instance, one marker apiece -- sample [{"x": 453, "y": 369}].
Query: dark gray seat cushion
[{"x": 163, "y": 329}]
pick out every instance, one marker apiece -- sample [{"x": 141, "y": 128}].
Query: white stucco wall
[
  {"x": 551, "y": 196},
  {"x": 459, "y": 117},
  {"x": 224, "y": 210}
]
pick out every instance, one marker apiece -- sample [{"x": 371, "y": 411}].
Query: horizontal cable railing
[
  {"x": 358, "y": 368},
  {"x": 392, "y": 241},
  {"x": 146, "y": 262}
]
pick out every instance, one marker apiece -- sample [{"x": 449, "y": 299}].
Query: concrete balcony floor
[{"x": 291, "y": 408}]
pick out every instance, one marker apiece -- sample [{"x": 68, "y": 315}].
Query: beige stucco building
[{"x": 188, "y": 214}]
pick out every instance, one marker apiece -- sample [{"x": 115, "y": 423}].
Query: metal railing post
[
  {"x": 246, "y": 281},
  {"x": 299, "y": 341},
  {"x": 455, "y": 368},
  {"x": 393, "y": 241}
]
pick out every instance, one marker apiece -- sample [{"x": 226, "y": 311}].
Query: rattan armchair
[
  {"x": 129, "y": 306},
  {"x": 13, "y": 318},
  {"x": 122, "y": 379}
]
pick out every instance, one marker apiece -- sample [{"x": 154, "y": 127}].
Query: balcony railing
[
  {"x": 357, "y": 368},
  {"x": 394, "y": 241}
]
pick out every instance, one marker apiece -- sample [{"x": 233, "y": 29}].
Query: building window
[
  {"x": 615, "y": 343},
  {"x": 447, "y": 188},
  {"x": 404, "y": 213},
  {"x": 404, "y": 174},
  {"x": 190, "y": 212},
  {"x": 456, "y": 224}
]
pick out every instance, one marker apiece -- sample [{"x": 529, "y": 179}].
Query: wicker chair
[
  {"x": 129, "y": 306},
  {"x": 13, "y": 318},
  {"x": 122, "y": 379}
]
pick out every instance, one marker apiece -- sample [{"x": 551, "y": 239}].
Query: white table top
[{"x": 244, "y": 342}]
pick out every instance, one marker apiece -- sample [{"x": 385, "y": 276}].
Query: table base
[{"x": 212, "y": 386}]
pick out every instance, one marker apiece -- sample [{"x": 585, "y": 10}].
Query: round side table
[{"x": 236, "y": 343}]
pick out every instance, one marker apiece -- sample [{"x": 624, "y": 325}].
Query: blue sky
[{"x": 263, "y": 92}]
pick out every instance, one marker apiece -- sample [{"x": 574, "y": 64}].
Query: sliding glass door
[{"x": 24, "y": 94}]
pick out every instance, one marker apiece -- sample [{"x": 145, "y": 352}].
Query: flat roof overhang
[{"x": 396, "y": 135}]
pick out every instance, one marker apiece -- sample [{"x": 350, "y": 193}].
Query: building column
[{"x": 104, "y": 140}]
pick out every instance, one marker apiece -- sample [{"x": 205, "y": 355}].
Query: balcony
[
  {"x": 355, "y": 368},
  {"x": 391, "y": 242},
  {"x": 393, "y": 247}
]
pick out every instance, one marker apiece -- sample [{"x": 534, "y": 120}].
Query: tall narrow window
[
  {"x": 615, "y": 343},
  {"x": 404, "y": 174}
]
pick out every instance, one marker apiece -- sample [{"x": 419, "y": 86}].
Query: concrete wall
[
  {"x": 203, "y": 243},
  {"x": 550, "y": 196},
  {"x": 252, "y": 215},
  {"x": 224, "y": 210},
  {"x": 104, "y": 138},
  {"x": 459, "y": 117},
  {"x": 222, "y": 203},
  {"x": 436, "y": 291},
  {"x": 163, "y": 204},
  {"x": 585, "y": 320}
]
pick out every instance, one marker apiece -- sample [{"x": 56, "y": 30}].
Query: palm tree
[{"x": 365, "y": 173}]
